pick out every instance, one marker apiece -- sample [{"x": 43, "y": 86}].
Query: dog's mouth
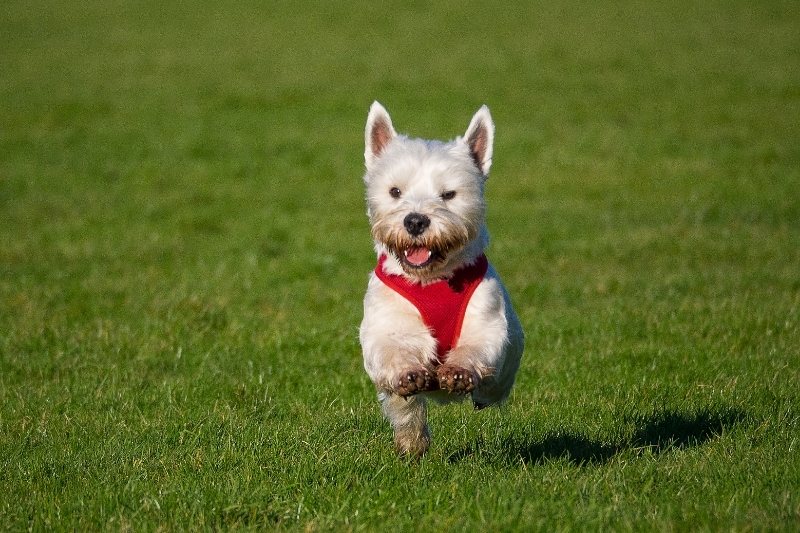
[{"x": 418, "y": 256}]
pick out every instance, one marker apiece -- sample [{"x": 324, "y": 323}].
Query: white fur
[{"x": 394, "y": 339}]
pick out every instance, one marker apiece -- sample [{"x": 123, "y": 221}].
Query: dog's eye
[
  {"x": 394, "y": 192},
  {"x": 448, "y": 195}
]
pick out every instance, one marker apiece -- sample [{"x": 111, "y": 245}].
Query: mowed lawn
[{"x": 184, "y": 250}]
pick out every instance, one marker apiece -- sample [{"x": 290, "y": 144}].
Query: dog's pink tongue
[{"x": 418, "y": 255}]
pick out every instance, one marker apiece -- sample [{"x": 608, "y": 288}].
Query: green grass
[{"x": 183, "y": 252}]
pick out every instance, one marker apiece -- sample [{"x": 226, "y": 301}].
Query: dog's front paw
[
  {"x": 414, "y": 381},
  {"x": 456, "y": 380}
]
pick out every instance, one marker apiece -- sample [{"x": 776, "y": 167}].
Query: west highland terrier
[{"x": 438, "y": 322}]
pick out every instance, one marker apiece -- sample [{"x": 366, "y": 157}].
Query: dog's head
[{"x": 425, "y": 198}]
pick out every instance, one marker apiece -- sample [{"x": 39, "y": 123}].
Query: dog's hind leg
[{"x": 409, "y": 419}]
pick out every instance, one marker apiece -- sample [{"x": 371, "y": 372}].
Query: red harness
[{"x": 442, "y": 303}]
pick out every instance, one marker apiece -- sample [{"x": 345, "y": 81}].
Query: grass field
[{"x": 184, "y": 249}]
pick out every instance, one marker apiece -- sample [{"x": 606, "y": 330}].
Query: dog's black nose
[{"x": 415, "y": 223}]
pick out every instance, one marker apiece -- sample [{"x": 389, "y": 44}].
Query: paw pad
[
  {"x": 414, "y": 381},
  {"x": 456, "y": 380}
]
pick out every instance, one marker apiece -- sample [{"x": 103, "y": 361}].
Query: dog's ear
[
  {"x": 379, "y": 133},
  {"x": 480, "y": 138}
]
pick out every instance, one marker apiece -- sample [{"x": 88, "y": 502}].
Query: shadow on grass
[
  {"x": 675, "y": 430},
  {"x": 657, "y": 433}
]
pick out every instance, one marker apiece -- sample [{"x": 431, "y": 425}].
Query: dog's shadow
[{"x": 654, "y": 433}]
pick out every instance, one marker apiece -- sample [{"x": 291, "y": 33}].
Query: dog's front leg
[
  {"x": 400, "y": 370},
  {"x": 487, "y": 354},
  {"x": 399, "y": 351},
  {"x": 463, "y": 370}
]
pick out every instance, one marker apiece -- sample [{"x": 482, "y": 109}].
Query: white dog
[{"x": 437, "y": 322}]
